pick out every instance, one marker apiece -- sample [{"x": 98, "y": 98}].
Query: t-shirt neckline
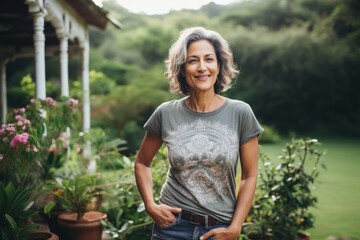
[{"x": 203, "y": 113}]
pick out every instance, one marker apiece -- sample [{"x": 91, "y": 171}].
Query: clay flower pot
[
  {"x": 42, "y": 236},
  {"x": 304, "y": 236},
  {"x": 88, "y": 227}
]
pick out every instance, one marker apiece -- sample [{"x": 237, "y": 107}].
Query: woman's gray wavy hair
[{"x": 178, "y": 53}]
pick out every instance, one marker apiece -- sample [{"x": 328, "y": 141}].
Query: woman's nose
[{"x": 202, "y": 66}]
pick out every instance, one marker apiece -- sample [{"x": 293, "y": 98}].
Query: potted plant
[
  {"x": 75, "y": 196},
  {"x": 16, "y": 210},
  {"x": 284, "y": 195}
]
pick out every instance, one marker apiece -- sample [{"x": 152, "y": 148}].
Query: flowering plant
[
  {"x": 19, "y": 144},
  {"x": 35, "y": 137}
]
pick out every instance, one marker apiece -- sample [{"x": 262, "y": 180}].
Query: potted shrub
[
  {"x": 284, "y": 194},
  {"x": 75, "y": 196}
]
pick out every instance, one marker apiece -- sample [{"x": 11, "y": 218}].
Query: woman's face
[{"x": 201, "y": 66}]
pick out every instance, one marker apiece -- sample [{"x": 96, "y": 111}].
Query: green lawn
[{"x": 338, "y": 188}]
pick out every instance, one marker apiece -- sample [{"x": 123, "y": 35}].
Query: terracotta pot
[
  {"x": 87, "y": 228},
  {"x": 42, "y": 236},
  {"x": 51, "y": 220},
  {"x": 303, "y": 236}
]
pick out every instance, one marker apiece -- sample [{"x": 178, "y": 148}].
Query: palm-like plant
[
  {"x": 16, "y": 207},
  {"x": 73, "y": 195}
]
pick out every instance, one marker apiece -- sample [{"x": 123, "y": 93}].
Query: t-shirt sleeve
[
  {"x": 250, "y": 126},
  {"x": 153, "y": 124}
]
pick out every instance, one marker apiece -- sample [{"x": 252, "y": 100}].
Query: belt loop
[
  {"x": 180, "y": 214},
  {"x": 206, "y": 222}
]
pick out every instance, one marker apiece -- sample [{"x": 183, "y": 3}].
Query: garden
[{"x": 43, "y": 141}]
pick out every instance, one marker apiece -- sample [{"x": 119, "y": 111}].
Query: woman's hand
[
  {"x": 163, "y": 215},
  {"x": 221, "y": 234}
]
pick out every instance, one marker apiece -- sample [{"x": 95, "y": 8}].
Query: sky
[{"x": 164, "y": 6}]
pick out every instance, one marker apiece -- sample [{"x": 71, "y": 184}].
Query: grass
[{"x": 338, "y": 188}]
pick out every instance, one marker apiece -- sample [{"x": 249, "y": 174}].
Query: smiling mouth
[{"x": 202, "y": 77}]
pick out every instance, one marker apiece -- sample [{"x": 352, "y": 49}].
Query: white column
[
  {"x": 64, "y": 67},
  {"x": 3, "y": 91},
  {"x": 86, "y": 87},
  {"x": 39, "y": 45}
]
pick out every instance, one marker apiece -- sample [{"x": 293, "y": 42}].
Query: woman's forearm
[
  {"x": 244, "y": 201},
  {"x": 144, "y": 183},
  {"x": 143, "y": 175}
]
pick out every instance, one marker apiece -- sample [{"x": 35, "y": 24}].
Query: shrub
[
  {"x": 127, "y": 216},
  {"x": 284, "y": 195}
]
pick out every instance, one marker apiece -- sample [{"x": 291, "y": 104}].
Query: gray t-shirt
[{"x": 203, "y": 151}]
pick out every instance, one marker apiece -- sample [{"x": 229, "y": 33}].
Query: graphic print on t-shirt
[{"x": 200, "y": 154}]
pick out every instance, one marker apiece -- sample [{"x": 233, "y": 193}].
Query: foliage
[
  {"x": 127, "y": 103},
  {"x": 272, "y": 14},
  {"x": 105, "y": 151},
  {"x": 284, "y": 197},
  {"x": 281, "y": 75},
  {"x": 270, "y": 135},
  {"x": 100, "y": 84},
  {"x": 16, "y": 207},
  {"x": 127, "y": 216},
  {"x": 74, "y": 195}
]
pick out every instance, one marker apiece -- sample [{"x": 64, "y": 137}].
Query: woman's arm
[
  {"x": 163, "y": 215},
  {"x": 249, "y": 167},
  {"x": 249, "y": 173}
]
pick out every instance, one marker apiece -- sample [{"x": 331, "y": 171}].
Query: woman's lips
[{"x": 202, "y": 77}]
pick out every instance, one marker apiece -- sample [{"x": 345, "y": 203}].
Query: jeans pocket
[
  {"x": 173, "y": 223},
  {"x": 163, "y": 233}
]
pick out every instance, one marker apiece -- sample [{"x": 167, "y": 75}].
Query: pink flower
[
  {"x": 20, "y": 123},
  {"x": 10, "y": 128},
  {"x": 71, "y": 103},
  {"x": 1, "y": 157},
  {"x": 18, "y": 117},
  {"x": 33, "y": 101},
  {"x": 19, "y": 139},
  {"x": 24, "y": 137},
  {"x": 35, "y": 149},
  {"x": 49, "y": 101},
  {"x": 22, "y": 110}
]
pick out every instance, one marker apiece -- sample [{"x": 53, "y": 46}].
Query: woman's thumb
[{"x": 176, "y": 210}]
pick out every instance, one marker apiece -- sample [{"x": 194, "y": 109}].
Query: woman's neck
[{"x": 204, "y": 102}]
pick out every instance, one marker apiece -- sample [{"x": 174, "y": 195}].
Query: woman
[{"x": 205, "y": 134}]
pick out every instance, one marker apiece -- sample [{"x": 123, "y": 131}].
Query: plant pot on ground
[
  {"x": 42, "y": 236},
  {"x": 88, "y": 227},
  {"x": 75, "y": 196}
]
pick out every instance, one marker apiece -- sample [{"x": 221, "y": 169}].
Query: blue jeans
[{"x": 182, "y": 229}]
